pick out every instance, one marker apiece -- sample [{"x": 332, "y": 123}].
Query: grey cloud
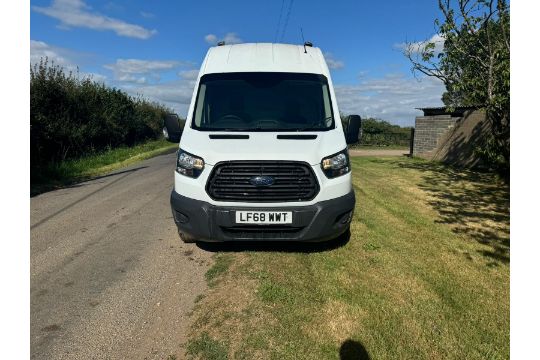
[
  {"x": 229, "y": 38},
  {"x": 418, "y": 47},
  {"x": 59, "y": 56},
  {"x": 332, "y": 62},
  {"x": 392, "y": 98},
  {"x": 137, "y": 70},
  {"x": 174, "y": 94},
  {"x": 211, "y": 39},
  {"x": 189, "y": 74},
  {"x": 40, "y": 49}
]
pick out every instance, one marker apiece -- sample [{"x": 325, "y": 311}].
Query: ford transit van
[{"x": 263, "y": 154}]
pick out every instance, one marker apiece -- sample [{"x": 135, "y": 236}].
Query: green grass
[
  {"x": 207, "y": 348},
  {"x": 71, "y": 171},
  {"x": 222, "y": 262},
  {"x": 424, "y": 275},
  {"x": 377, "y": 147}
]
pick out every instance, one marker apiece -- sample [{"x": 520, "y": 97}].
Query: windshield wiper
[
  {"x": 229, "y": 129},
  {"x": 313, "y": 124}
]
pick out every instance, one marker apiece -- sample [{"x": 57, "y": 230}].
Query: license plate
[{"x": 264, "y": 217}]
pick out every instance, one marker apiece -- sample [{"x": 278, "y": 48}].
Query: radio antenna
[{"x": 303, "y": 41}]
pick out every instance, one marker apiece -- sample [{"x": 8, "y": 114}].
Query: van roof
[{"x": 264, "y": 57}]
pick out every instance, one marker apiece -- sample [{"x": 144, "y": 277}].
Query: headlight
[
  {"x": 188, "y": 164},
  {"x": 336, "y": 165}
]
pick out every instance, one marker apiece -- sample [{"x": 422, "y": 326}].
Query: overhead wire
[
  {"x": 279, "y": 20},
  {"x": 287, "y": 20}
]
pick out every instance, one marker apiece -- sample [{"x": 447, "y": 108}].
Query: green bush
[
  {"x": 73, "y": 116},
  {"x": 381, "y": 133}
]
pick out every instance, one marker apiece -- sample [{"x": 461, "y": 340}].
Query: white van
[{"x": 263, "y": 154}]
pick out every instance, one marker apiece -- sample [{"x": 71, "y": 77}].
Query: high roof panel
[{"x": 265, "y": 57}]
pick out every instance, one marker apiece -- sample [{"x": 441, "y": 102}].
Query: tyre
[{"x": 186, "y": 238}]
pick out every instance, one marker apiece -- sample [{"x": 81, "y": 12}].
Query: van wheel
[{"x": 186, "y": 238}]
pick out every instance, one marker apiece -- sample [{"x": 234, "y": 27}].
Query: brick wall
[
  {"x": 428, "y": 131},
  {"x": 451, "y": 139}
]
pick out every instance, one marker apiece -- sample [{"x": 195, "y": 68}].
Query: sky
[{"x": 155, "y": 48}]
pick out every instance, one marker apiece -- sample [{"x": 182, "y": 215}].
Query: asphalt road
[{"x": 110, "y": 278}]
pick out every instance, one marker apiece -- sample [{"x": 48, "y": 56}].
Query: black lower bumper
[{"x": 206, "y": 222}]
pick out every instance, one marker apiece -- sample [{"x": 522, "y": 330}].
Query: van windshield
[{"x": 263, "y": 102}]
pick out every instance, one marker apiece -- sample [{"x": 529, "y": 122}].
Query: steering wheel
[
  {"x": 228, "y": 121},
  {"x": 268, "y": 123},
  {"x": 230, "y": 117}
]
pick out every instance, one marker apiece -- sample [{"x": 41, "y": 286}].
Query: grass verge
[
  {"x": 222, "y": 262},
  {"x": 424, "y": 275},
  {"x": 207, "y": 348},
  {"x": 77, "y": 170},
  {"x": 377, "y": 147}
]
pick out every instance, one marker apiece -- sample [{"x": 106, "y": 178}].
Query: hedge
[{"x": 73, "y": 116}]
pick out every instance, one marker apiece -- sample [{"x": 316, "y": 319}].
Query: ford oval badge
[{"x": 261, "y": 180}]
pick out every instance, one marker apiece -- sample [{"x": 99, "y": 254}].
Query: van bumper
[{"x": 322, "y": 221}]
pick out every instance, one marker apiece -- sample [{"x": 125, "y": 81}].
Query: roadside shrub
[
  {"x": 73, "y": 116},
  {"x": 381, "y": 133}
]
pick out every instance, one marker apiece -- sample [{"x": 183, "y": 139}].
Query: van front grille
[
  {"x": 269, "y": 232},
  {"x": 292, "y": 181}
]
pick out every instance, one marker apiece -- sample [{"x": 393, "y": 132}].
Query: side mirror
[
  {"x": 172, "y": 130},
  {"x": 351, "y": 127}
]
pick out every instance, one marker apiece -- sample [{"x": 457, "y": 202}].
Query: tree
[{"x": 474, "y": 66}]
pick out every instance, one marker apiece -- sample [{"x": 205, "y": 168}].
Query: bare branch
[{"x": 428, "y": 68}]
